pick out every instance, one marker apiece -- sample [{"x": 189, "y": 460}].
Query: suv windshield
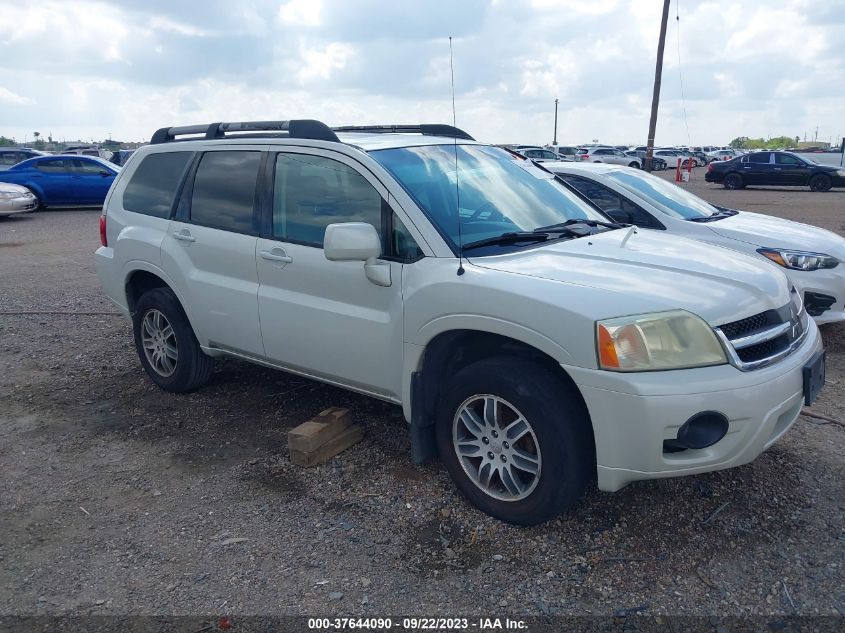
[
  {"x": 672, "y": 200},
  {"x": 498, "y": 193}
]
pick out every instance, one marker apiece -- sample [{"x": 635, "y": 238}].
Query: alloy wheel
[
  {"x": 496, "y": 447},
  {"x": 159, "y": 342}
]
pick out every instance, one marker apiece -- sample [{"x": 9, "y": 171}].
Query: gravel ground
[{"x": 117, "y": 498}]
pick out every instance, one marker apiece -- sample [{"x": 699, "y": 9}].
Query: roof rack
[
  {"x": 295, "y": 128},
  {"x": 426, "y": 129}
]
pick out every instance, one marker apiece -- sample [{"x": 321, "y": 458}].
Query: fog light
[{"x": 702, "y": 430}]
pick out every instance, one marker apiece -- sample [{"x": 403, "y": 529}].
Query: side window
[
  {"x": 311, "y": 192},
  {"x": 224, "y": 191},
  {"x": 54, "y": 166},
  {"x": 404, "y": 246},
  {"x": 760, "y": 157},
  {"x": 547, "y": 154},
  {"x": 8, "y": 158},
  {"x": 154, "y": 183},
  {"x": 88, "y": 166},
  {"x": 787, "y": 159}
]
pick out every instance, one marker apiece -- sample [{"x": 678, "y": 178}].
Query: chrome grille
[{"x": 765, "y": 338}]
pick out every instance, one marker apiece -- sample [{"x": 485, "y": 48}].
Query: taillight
[
  {"x": 103, "y": 239},
  {"x": 710, "y": 167}
]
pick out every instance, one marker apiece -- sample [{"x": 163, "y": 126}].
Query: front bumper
[
  {"x": 632, "y": 414},
  {"x": 830, "y": 282},
  {"x": 23, "y": 204}
]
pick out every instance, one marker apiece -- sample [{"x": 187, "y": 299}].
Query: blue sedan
[{"x": 64, "y": 180}]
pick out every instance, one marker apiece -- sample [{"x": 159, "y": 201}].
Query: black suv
[{"x": 775, "y": 168}]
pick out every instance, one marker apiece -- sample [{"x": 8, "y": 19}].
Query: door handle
[
  {"x": 778, "y": 168},
  {"x": 184, "y": 236},
  {"x": 276, "y": 255}
]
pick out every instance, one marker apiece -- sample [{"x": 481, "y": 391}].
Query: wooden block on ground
[
  {"x": 310, "y": 435},
  {"x": 347, "y": 437}
]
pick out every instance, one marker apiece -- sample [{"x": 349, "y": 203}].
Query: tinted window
[
  {"x": 154, "y": 183},
  {"x": 54, "y": 166},
  {"x": 759, "y": 157},
  {"x": 405, "y": 246},
  {"x": 9, "y": 158},
  {"x": 533, "y": 153},
  {"x": 224, "y": 191},
  {"x": 311, "y": 192},
  {"x": 668, "y": 198},
  {"x": 89, "y": 166},
  {"x": 548, "y": 154},
  {"x": 787, "y": 159}
]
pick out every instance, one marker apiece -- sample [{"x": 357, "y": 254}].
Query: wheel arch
[
  {"x": 450, "y": 351},
  {"x": 141, "y": 278}
]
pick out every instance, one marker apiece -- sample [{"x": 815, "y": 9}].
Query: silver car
[
  {"x": 607, "y": 155},
  {"x": 16, "y": 199}
]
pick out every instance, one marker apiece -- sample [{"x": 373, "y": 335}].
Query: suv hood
[
  {"x": 772, "y": 232},
  {"x": 653, "y": 272}
]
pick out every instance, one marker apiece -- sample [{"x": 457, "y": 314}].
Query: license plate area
[{"x": 813, "y": 377}]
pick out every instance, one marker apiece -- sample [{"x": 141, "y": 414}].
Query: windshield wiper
[
  {"x": 593, "y": 223},
  {"x": 508, "y": 238},
  {"x": 721, "y": 214}
]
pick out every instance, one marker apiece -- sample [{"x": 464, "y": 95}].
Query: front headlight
[
  {"x": 798, "y": 260},
  {"x": 658, "y": 341},
  {"x": 840, "y": 172},
  {"x": 6, "y": 195}
]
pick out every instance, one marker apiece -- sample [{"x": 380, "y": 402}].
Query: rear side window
[
  {"x": 53, "y": 166},
  {"x": 761, "y": 157},
  {"x": 224, "y": 191},
  {"x": 154, "y": 183}
]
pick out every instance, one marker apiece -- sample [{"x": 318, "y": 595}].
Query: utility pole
[
  {"x": 655, "y": 97},
  {"x": 554, "y": 140}
]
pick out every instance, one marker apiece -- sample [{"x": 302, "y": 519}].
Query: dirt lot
[{"x": 118, "y": 498}]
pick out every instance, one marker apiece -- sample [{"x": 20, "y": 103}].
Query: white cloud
[
  {"x": 13, "y": 98},
  {"x": 320, "y": 63},
  {"x": 301, "y": 12}
]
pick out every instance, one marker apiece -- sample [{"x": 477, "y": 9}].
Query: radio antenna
[{"x": 457, "y": 182}]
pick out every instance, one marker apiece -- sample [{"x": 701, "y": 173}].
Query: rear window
[{"x": 154, "y": 183}]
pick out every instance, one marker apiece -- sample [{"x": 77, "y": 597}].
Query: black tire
[
  {"x": 193, "y": 367},
  {"x": 820, "y": 182},
  {"x": 558, "y": 419},
  {"x": 634, "y": 164},
  {"x": 733, "y": 181}
]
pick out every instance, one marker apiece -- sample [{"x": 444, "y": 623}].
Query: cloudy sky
[{"x": 88, "y": 69}]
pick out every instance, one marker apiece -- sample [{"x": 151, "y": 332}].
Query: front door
[
  {"x": 319, "y": 317},
  {"x": 209, "y": 249},
  {"x": 91, "y": 181},
  {"x": 791, "y": 170}
]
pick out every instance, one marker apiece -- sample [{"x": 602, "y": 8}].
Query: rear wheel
[
  {"x": 515, "y": 440},
  {"x": 634, "y": 164},
  {"x": 733, "y": 181},
  {"x": 820, "y": 182},
  {"x": 166, "y": 344}
]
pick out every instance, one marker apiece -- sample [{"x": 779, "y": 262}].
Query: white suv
[
  {"x": 607, "y": 155},
  {"x": 531, "y": 342}
]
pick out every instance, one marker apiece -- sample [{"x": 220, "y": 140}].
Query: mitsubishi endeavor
[{"x": 533, "y": 343}]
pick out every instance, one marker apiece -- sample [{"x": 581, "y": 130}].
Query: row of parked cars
[
  {"x": 543, "y": 326},
  {"x": 662, "y": 157}
]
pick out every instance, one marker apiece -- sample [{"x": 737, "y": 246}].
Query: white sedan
[
  {"x": 812, "y": 258},
  {"x": 16, "y": 199}
]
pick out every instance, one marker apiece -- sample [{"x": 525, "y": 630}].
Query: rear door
[
  {"x": 209, "y": 249},
  {"x": 758, "y": 169},
  {"x": 91, "y": 181},
  {"x": 54, "y": 177}
]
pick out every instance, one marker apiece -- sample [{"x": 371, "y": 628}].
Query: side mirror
[{"x": 357, "y": 242}]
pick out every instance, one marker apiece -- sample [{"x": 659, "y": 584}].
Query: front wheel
[
  {"x": 634, "y": 164},
  {"x": 166, "y": 344},
  {"x": 733, "y": 181},
  {"x": 516, "y": 440},
  {"x": 820, "y": 182}
]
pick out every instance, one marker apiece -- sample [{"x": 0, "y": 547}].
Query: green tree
[{"x": 6, "y": 142}]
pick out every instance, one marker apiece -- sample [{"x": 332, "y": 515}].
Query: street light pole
[
  {"x": 655, "y": 97},
  {"x": 554, "y": 141}
]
